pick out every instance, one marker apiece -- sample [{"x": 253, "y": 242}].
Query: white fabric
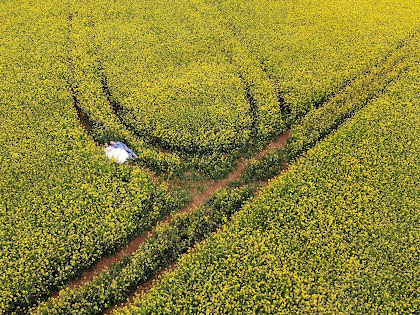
[{"x": 119, "y": 155}]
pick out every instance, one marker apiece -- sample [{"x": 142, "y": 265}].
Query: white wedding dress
[{"x": 119, "y": 155}]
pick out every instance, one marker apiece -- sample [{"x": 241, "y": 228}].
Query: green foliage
[
  {"x": 170, "y": 241},
  {"x": 63, "y": 205},
  {"x": 265, "y": 168},
  {"x": 336, "y": 234}
]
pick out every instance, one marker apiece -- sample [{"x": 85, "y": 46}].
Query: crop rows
[
  {"x": 321, "y": 122},
  {"x": 337, "y": 233},
  {"x": 125, "y": 37},
  {"x": 310, "y": 49},
  {"x": 190, "y": 86},
  {"x": 179, "y": 69},
  {"x": 169, "y": 241},
  {"x": 134, "y": 55},
  {"x": 86, "y": 84},
  {"x": 114, "y": 285},
  {"x": 63, "y": 204}
]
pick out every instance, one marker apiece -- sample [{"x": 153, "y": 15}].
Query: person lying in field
[
  {"x": 119, "y": 155},
  {"x": 123, "y": 146},
  {"x": 119, "y": 152}
]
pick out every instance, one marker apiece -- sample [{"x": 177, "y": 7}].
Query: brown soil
[
  {"x": 274, "y": 145},
  {"x": 83, "y": 117},
  {"x": 147, "y": 286},
  {"x": 106, "y": 262},
  {"x": 198, "y": 199}
]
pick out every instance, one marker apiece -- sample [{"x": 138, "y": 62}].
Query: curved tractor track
[{"x": 198, "y": 199}]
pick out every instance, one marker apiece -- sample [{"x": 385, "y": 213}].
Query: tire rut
[
  {"x": 197, "y": 200},
  {"x": 147, "y": 286}
]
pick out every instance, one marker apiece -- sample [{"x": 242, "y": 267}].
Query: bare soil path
[{"x": 198, "y": 199}]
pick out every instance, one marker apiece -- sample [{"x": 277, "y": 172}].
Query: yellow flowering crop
[
  {"x": 208, "y": 76},
  {"x": 338, "y": 233},
  {"x": 63, "y": 205},
  {"x": 190, "y": 85}
]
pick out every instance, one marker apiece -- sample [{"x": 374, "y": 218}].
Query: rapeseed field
[
  {"x": 196, "y": 87},
  {"x": 336, "y": 234}
]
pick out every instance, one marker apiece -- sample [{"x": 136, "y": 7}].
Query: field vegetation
[
  {"x": 195, "y": 88},
  {"x": 151, "y": 59},
  {"x": 63, "y": 204},
  {"x": 336, "y": 233}
]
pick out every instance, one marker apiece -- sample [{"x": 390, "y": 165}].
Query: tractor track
[{"x": 198, "y": 199}]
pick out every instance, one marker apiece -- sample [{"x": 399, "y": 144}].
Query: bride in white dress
[{"x": 119, "y": 155}]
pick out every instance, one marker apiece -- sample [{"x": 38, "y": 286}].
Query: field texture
[
  {"x": 196, "y": 87},
  {"x": 207, "y": 78},
  {"x": 63, "y": 204},
  {"x": 172, "y": 240},
  {"x": 337, "y": 233}
]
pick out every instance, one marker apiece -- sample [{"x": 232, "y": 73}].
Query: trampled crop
[
  {"x": 337, "y": 233},
  {"x": 192, "y": 86}
]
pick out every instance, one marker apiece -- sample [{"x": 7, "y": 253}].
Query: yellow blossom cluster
[
  {"x": 320, "y": 122},
  {"x": 167, "y": 244},
  {"x": 190, "y": 85},
  {"x": 312, "y": 48},
  {"x": 202, "y": 76},
  {"x": 209, "y": 77},
  {"x": 171, "y": 240}
]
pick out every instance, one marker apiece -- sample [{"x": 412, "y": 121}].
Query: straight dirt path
[
  {"x": 147, "y": 286},
  {"x": 198, "y": 199}
]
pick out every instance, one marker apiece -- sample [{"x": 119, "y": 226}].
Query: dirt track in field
[
  {"x": 198, "y": 199},
  {"x": 272, "y": 146}
]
